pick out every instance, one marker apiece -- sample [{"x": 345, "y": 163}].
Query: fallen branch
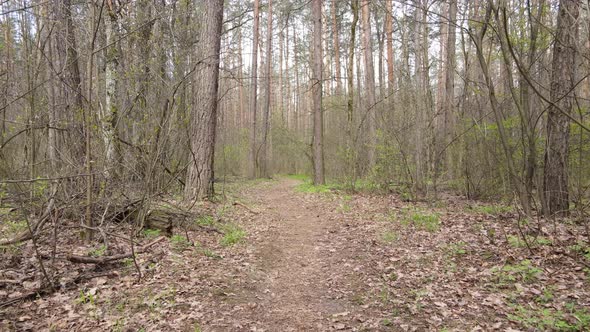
[
  {"x": 11, "y": 282},
  {"x": 209, "y": 229},
  {"x": 108, "y": 259},
  {"x": 246, "y": 207}
]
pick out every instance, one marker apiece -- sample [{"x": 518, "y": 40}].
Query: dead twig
[{"x": 246, "y": 207}]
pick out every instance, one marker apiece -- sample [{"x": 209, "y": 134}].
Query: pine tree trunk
[
  {"x": 336, "y": 40},
  {"x": 199, "y": 184},
  {"x": 318, "y": 120},
  {"x": 558, "y": 125},
  {"x": 253, "y": 158},
  {"x": 389, "y": 40},
  {"x": 264, "y": 172},
  {"x": 369, "y": 83}
]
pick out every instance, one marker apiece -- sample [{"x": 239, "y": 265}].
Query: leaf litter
[{"x": 308, "y": 263}]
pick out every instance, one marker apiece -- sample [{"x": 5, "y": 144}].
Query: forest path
[{"x": 297, "y": 260}]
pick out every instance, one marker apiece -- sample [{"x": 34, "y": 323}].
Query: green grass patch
[
  {"x": 493, "y": 210},
  {"x": 232, "y": 235},
  {"x": 310, "y": 188},
  {"x": 582, "y": 249},
  {"x": 179, "y": 242},
  {"x": 98, "y": 252},
  {"x": 523, "y": 272},
  {"x": 456, "y": 249},
  {"x": 424, "y": 220},
  {"x": 205, "y": 220},
  {"x": 14, "y": 227},
  {"x": 151, "y": 233},
  {"x": 389, "y": 237},
  {"x": 300, "y": 177},
  {"x": 211, "y": 254},
  {"x": 572, "y": 318},
  {"x": 518, "y": 242}
]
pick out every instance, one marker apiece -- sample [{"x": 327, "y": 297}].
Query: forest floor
[{"x": 297, "y": 258}]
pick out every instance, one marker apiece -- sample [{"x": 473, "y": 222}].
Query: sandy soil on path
[{"x": 296, "y": 263}]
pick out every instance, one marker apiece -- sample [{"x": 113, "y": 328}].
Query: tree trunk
[
  {"x": 318, "y": 124},
  {"x": 267, "y": 94},
  {"x": 562, "y": 82},
  {"x": 369, "y": 83},
  {"x": 200, "y": 175},
  {"x": 336, "y": 40},
  {"x": 448, "y": 97},
  {"x": 71, "y": 86},
  {"x": 350, "y": 102},
  {"x": 253, "y": 163},
  {"x": 109, "y": 114},
  {"x": 389, "y": 39}
]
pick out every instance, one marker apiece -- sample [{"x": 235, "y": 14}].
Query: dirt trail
[
  {"x": 328, "y": 262},
  {"x": 295, "y": 262}
]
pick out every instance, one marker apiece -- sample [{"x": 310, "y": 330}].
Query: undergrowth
[
  {"x": 232, "y": 235},
  {"x": 420, "y": 219}
]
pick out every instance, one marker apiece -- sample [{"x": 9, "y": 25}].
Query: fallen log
[{"x": 108, "y": 259}]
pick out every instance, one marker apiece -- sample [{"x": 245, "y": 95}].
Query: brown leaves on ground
[{"x": 318, "y": 262}]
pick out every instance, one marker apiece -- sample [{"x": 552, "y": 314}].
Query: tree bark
[
  {"x": 336, "y": 41},
  {"x": 555, "y": 184},
  {"x": 369, "y": 83},
  {"x": 71, "y": 86},
  {"x": 109, "y": 114},
  {"x": 389, "y": 46},
  {"x": 253, "y": 164},
  {"x": 267, "y": 94},
  {"x": 199, "y": 184},
  {"x": 318, "y": 120},
  {"x": 350, "y": 100}
]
